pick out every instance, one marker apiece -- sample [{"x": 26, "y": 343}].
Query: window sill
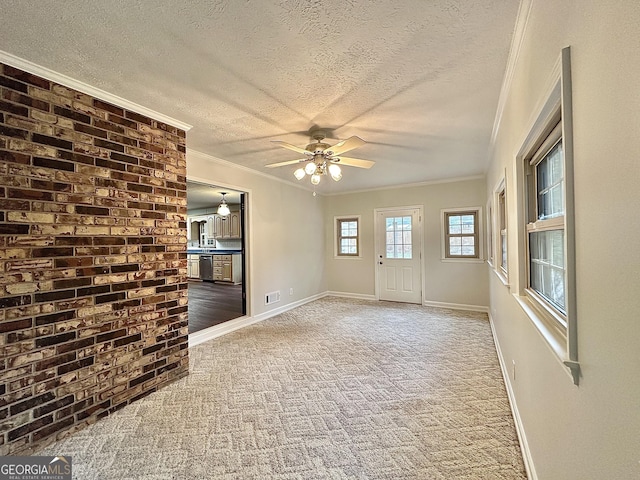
[
  {"x": 462, "y": 260},
  {"x": 347, "y": 257},
  {"x": 556, "y": 341},
  {"x": 503, "y": 278}
]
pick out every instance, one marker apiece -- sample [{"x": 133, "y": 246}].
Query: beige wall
[
  {"x": 286, "y": 247},
  {"x": 590, "y": 431},
  {"x": 445, "y": 282}
]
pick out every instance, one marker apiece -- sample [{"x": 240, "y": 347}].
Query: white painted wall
[
  {"x": 591, "y": 431},
  {"x": 285, "y": 247},
  {"x": 445, "y": 282}
]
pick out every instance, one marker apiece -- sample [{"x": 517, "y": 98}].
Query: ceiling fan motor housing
[{"x": 318, "y": 146}]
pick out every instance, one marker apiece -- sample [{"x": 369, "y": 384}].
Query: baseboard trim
[
  {"x": 357, "y": 296},
  {"x": 236, "y": 324},
  {"x": 457, "y": 306},
  {"x": 522, "y": 436}
]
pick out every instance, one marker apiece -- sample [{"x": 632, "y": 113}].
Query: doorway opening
[{"x": 216, "y": 255}]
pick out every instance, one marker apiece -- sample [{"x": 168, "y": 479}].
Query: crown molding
[
  {"x": 514, "y": 53},
  {"x": 227, "y": 163},
  {"x": 411, "y": 185},
  {"x": 62, "y": 79}
]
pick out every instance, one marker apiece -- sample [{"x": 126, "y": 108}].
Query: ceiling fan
[{"x": 322, "y": 158}]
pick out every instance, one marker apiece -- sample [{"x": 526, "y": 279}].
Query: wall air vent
[{"x": 272, "y": 297}]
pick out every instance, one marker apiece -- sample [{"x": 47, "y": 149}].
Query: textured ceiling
[
  {"x": 208, "y": 196},
  {"x": 418, "y": 80}
]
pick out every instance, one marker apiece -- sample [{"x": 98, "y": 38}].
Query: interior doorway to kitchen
[{"x": 216, "y": 254}]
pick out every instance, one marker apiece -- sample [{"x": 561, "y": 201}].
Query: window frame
[
  {"x": 554, "y": 108},
  {"x": 490, "y": 230},
  {"x": 478, "y": 234},
  {"x": 337, "y": 225},
  {"x": 536, "y": 225},
  {"x": 500, "y": 225},
  {"x": 503, "y": 244}
]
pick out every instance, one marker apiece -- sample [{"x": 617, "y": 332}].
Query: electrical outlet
[
  {"x": 291, "y": 291},
  {"x": 513, "y": 370}
]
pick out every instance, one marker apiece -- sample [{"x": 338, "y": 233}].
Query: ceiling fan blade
[
  {"x": 355, "y": 162},
  {"x": 346, "y": 145},
  {"x": 288, "y": 162},
  {"x": 282, "y": 144}
]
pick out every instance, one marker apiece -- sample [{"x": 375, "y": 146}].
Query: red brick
[
  {"x": 77, "y": 116},
  {"x": 89, "y": 180},
  {"x": 108, "y": 107},
  {"x": 26, "y": 77},
  {"x": 25, "y": 100}
]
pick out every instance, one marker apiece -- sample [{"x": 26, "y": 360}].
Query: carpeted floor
[{"x": 335, "y": 389}]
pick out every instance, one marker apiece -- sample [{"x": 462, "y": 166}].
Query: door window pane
[{"x": 398, "y": 237}]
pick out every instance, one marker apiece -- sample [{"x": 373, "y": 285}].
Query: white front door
[{"x": 399, "y": 255}]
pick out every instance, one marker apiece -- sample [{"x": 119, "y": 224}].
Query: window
[
  {"x": 398, "y": 237},
  {"x": 348, "y": 237},
  {"x": 546, "y": 225},
  {"x": 502, "y": 228},
  {"x": 546, "y": 273},
  {"x": 490, "y": 253},
  {"x": 461, "y": 234}
]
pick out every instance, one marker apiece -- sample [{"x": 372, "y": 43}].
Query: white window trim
[
  {"x": 481, "y": 252},
  {"x": 501, "y": 273},
  {"x": 335, "y": 237},
  {"x": 490, "y": 232},
  {"x": 555, "y": 105}
]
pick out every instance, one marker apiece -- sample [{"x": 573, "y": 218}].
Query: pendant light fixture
[{"x": 223, "y": 208}]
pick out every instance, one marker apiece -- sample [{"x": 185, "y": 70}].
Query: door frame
[
  {"x": 377, "y": 247},
  {"x": 247, "y": 239}
]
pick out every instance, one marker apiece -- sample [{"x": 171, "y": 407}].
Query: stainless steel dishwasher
[{"x": 206, "y": 267}]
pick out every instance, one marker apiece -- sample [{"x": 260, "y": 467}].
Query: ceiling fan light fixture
[
  {"x": 299, "y": 173},
  {"x": 335, "y": 171},
  {"x": 223, "y": 208},
  {"x": 322, "y": 158},
  {"x": 310, "y": 168}
]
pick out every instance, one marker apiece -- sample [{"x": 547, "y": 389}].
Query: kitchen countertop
[{"x": 212, "y": 251}]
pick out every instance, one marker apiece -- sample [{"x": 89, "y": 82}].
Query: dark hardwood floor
[{"x": 213, "y": 303}]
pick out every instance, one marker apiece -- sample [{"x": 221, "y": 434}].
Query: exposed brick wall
[{"x": 93, "y": 292}]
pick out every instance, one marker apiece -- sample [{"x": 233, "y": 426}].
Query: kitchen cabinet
[
  {"x": 211, "y": 226},
  {"x": 197, "y": 231},
  {"x": 204, "y": 229},
  {"x": 227, "y": 268},
  {"x": 234, "y": 225},
  {"x": 228, "y": 227},
  {"x": 218, "y": 222},
  {"x": 193, "y": 266},
  {"x": 193, "y": 229}
]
